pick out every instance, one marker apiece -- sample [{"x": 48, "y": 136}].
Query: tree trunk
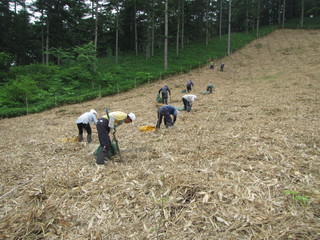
[
  {"x": 220, "y": 19},
  {"x": 207, "y": 23},
  {"x": 247, "y": 17},
  {"x": 283, "y": 12},
  {"x": 152, "y": 30},
  {"x": 182, "y": 25},
  {"x": 96, "y": 33},
  {"x": 258, "y": 19},
  {"x": 229, "y": 29},
  {"x": 148, "y": 35},
  {"x": 117, "y": 33},
  {"x": 135, "y": 28},
  {"x": 178, "y": 30},
  {"x": 42, "y": 40},
  {"x": 166, "y": 36},
  {"x": 47, "y": 42},
  {"x": 279, "y": 12},
  {"x": 302, "y": 13}
]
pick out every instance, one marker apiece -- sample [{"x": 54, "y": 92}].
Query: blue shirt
[
  {"x": 172, "y": 110},
  {"x": 189, "y": 84}
]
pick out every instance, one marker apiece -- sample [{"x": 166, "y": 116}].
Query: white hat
[
  {"x": 93, "y": 111},
  {"x": 132, "y": 117}
]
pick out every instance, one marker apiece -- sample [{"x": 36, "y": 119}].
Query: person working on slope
[
  {"x": 104, "y": 125},
  {"x": 164, "y": 94},
  {"x": 188, "y": 100},
  {"x": 165, "y": 112},
  {"x": 83, "y": 122},
  {"x": 189, "y": 86},
  {"x": 210, "y": 87},
  {"x": 221, "y": 67},
  {"x": 211, "y": 65}
]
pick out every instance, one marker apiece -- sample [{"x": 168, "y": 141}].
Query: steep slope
[{"x": 243, "y": 164}]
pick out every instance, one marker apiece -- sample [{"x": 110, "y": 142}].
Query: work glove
[
  {"x": 113, "y": 130},
  {"x": 174, "y": 119}
]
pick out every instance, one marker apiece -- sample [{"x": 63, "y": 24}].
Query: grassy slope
[{"x": 220, "y": 173}]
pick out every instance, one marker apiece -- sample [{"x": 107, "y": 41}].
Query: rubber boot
[
  {"x": 101, "y": 155},
  {"x": 80, "y": 138},
  {"x": 89, "y": 139}
]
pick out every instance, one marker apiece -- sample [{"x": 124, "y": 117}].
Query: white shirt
[
  {"x": 190, "y": 97},
  {"x": 86, "y": 118}
]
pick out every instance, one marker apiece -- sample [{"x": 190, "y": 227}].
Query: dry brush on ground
[{"x": 243, "y": 164}]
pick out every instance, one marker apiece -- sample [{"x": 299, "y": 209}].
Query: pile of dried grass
[{"x": 243, "y": 164}]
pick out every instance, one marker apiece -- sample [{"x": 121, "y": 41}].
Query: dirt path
[{"x": 220, "y": 173}]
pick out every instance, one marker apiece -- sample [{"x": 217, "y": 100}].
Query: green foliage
[
  {"x": 22, "y": 89},
  {"x": 5, "y": 63},
  {"x": 86, "y": 55},
  {"x": 308, "y": 23},
  {"x": 48, "y": 86},
  {"x": 302, "y": 199},
  {"x": 61, "y": 54}
]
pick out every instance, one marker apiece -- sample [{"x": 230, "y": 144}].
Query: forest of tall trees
[
  {"x": 39, "y": 31},
  {"x": 54, "y": 52}
]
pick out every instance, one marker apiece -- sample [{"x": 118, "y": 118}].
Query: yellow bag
[
  {"x": 69, "y": 139},
  {"x": 147, "y": 128}
]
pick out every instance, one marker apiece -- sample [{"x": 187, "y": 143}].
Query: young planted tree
[
  {"x": 86, "y": 56},
  {"x": 6, "y": 61}
]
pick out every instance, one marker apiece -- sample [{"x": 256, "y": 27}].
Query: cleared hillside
[{"x": 243, "y": 164}]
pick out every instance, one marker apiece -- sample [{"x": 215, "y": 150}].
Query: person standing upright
[
  {"x": 190, "y": 85},
  {"x": 164, "y": 94}
]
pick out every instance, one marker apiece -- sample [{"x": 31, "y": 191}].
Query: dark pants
[
  {"x": 187, "y": 105},
  {"x": 85, "y": 126},
  {"x": 209, "y": 89},
  {"x": 104, "y": 139},
  {"x": 164, "y": 97},
  {"x": 189, "y": 88},
  {"x": 163, "y": 112}
]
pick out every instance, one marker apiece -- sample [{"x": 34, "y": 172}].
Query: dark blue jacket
[
  {"x": 164, "y": 89},
  {"x": 172, "y": 110}
]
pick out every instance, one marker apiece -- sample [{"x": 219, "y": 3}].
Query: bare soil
[{"x": 243, "y": 164}]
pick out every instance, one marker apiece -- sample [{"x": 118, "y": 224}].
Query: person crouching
[
  {"x": 165, "y": 113},
  {"x": 188, "y": 100}
]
